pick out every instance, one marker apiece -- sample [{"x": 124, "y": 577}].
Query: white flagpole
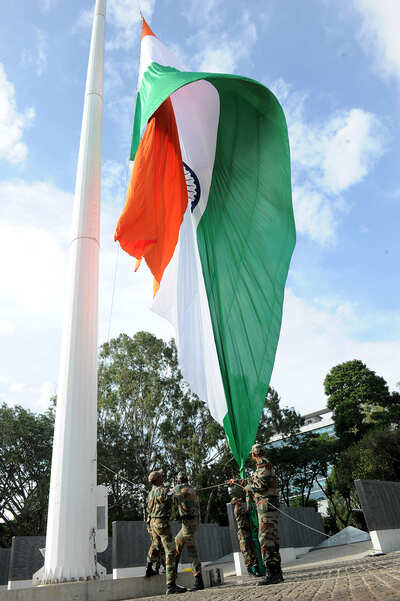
[{"x": 70, "y": 549}]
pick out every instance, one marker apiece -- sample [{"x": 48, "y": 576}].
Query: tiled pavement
[{"x": 368, "y": 579}]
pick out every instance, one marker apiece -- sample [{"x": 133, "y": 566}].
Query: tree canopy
[
  {"x": 358, "y": 398},
  {"x": 149, "y": 419},
  {"x": 25, "y": 458}
]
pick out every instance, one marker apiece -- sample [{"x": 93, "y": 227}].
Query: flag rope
[
  {"x": 237, "y": 484},
  {"x": 116, "y": 264},
  {"x": 290, "y": 517}
]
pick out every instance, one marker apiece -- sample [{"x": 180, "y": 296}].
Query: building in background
[{"x": 317, "y": 422}]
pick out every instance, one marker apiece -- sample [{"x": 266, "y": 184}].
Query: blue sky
[{"x": 335, "y": 67}]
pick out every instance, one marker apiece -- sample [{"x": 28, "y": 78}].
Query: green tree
[
  {"x": 375, "y": 457},
  {"x": 277, "y": 420},
  {"x": 149, "y": 419},
  {"x": 393, "y": 409},
  {"x": 25, "y": 461},
  {"x": 358, "y": 398},
  {"x": 301, "y": 463},
  {"x": 299, "y": 458}
]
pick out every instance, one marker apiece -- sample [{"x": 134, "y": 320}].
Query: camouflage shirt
[
  {"x": 262, "y": 484},
  {"x": 241, "y": 516},
  {"x": 186, "y": 500},
  {"x": 159, "y": 503}
]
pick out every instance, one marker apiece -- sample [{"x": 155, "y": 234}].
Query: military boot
[
  {"x": 150, "y": 571},
  {"x": 273, "y": 575},
  {"x": 198, "y": 583},
  {"x": 277, "y": 574},
  {"x": 174, "y": 589}
]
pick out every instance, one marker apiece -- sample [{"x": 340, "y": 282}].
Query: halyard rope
[
  {"x": 292, "y": 518},
  {"x": 224, "y": 484},
  {"x": 116, "y": 264}
]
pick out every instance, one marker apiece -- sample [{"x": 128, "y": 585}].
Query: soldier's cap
[
  {"x": 153, "y": 476},
  {"x": 258, "y": 450},
  {"x": 182, "y": 477},
  {"x": 235, "y": 492}
]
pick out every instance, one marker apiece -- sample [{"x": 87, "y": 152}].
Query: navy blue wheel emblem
[{"x": 193, "y": 186}]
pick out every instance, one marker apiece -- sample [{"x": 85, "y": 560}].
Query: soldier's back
[
  {"x": 187, "y": 501},
  {"x": 159, "y": 502}
]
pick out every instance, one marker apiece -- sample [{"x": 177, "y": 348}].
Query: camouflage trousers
[
  {"x": 268, "y": 533},
  {"x": 185, "y": 538},
  {"x": 247, "y": 547},
  {"x": 156, "y": 552},
  {"x": 161, "y": 537}
]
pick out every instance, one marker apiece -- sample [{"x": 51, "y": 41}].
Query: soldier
[
  {"x": 188, "y": 508},
  {"x": 156, "y": 555},
  {"x": 246, "y": 542},
  {"x": 262, "y": 486},
  {"x": 159, "y": 505}
]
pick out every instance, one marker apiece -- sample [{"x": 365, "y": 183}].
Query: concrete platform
[
  {"x": 346, "y": 579},
  {"x": 326, "y": 555},
  {"x": 107, "y": 590}
]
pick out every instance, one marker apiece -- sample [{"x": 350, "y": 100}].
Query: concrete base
[
  {"x": 240, "y": 568},
  {"x": 385, "y": 540},
  {"x": 38, "y": 576},
  {"x": 140, "y": 570},
  {"x": 128, "y": 572},
  {"x": 16, "y": 584},
  {"x": 288, "y": 555},
  {"x": 107, "y": 590}
]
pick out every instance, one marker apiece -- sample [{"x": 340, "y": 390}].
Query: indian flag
[{"x": 209, "y": 208}]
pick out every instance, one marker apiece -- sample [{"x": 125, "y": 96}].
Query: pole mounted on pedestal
[{"x": 71, "y": 525}]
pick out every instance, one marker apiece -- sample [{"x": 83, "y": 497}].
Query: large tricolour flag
[{"x": 209, "y": 208}]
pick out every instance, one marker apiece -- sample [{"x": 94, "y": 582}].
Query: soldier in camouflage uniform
[
  {"x": 159, "y": 505},
  {"x": 246, "y": 542},
  {"x": 155, "y": 555},
  {"x": 263, "y": 488},
  {"x": 188, "y": 507}
]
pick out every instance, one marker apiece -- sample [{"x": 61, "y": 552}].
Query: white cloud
[
  {"x": 46, "y": 391},
  {"x": 34, "y": 236},
  {"x": 34, "y": 229},
  {"x": 317, "y": 336},
  {"x": 36, "y": 398},
  {"x": 328, "y": 157},
  {"x": 37, "y": 58},
  {"x": 33, "y": 276},
  {"x": 314, "y": 214},
  {"x": 208, "y": 11},
  {"x": 6, "y": 327},
  {"x": 220, "y": 51},
  {"x": 12, "y": 122},
  {"x": 352, "y": 142},
  {"x": 379, "y": 34},
  {"x": 36, "y": 204}
]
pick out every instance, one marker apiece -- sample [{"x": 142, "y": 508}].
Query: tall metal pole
[{"x": 70, "y": 549}]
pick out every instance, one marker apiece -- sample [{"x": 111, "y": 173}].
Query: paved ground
[{"x": 365, "y": 579}]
